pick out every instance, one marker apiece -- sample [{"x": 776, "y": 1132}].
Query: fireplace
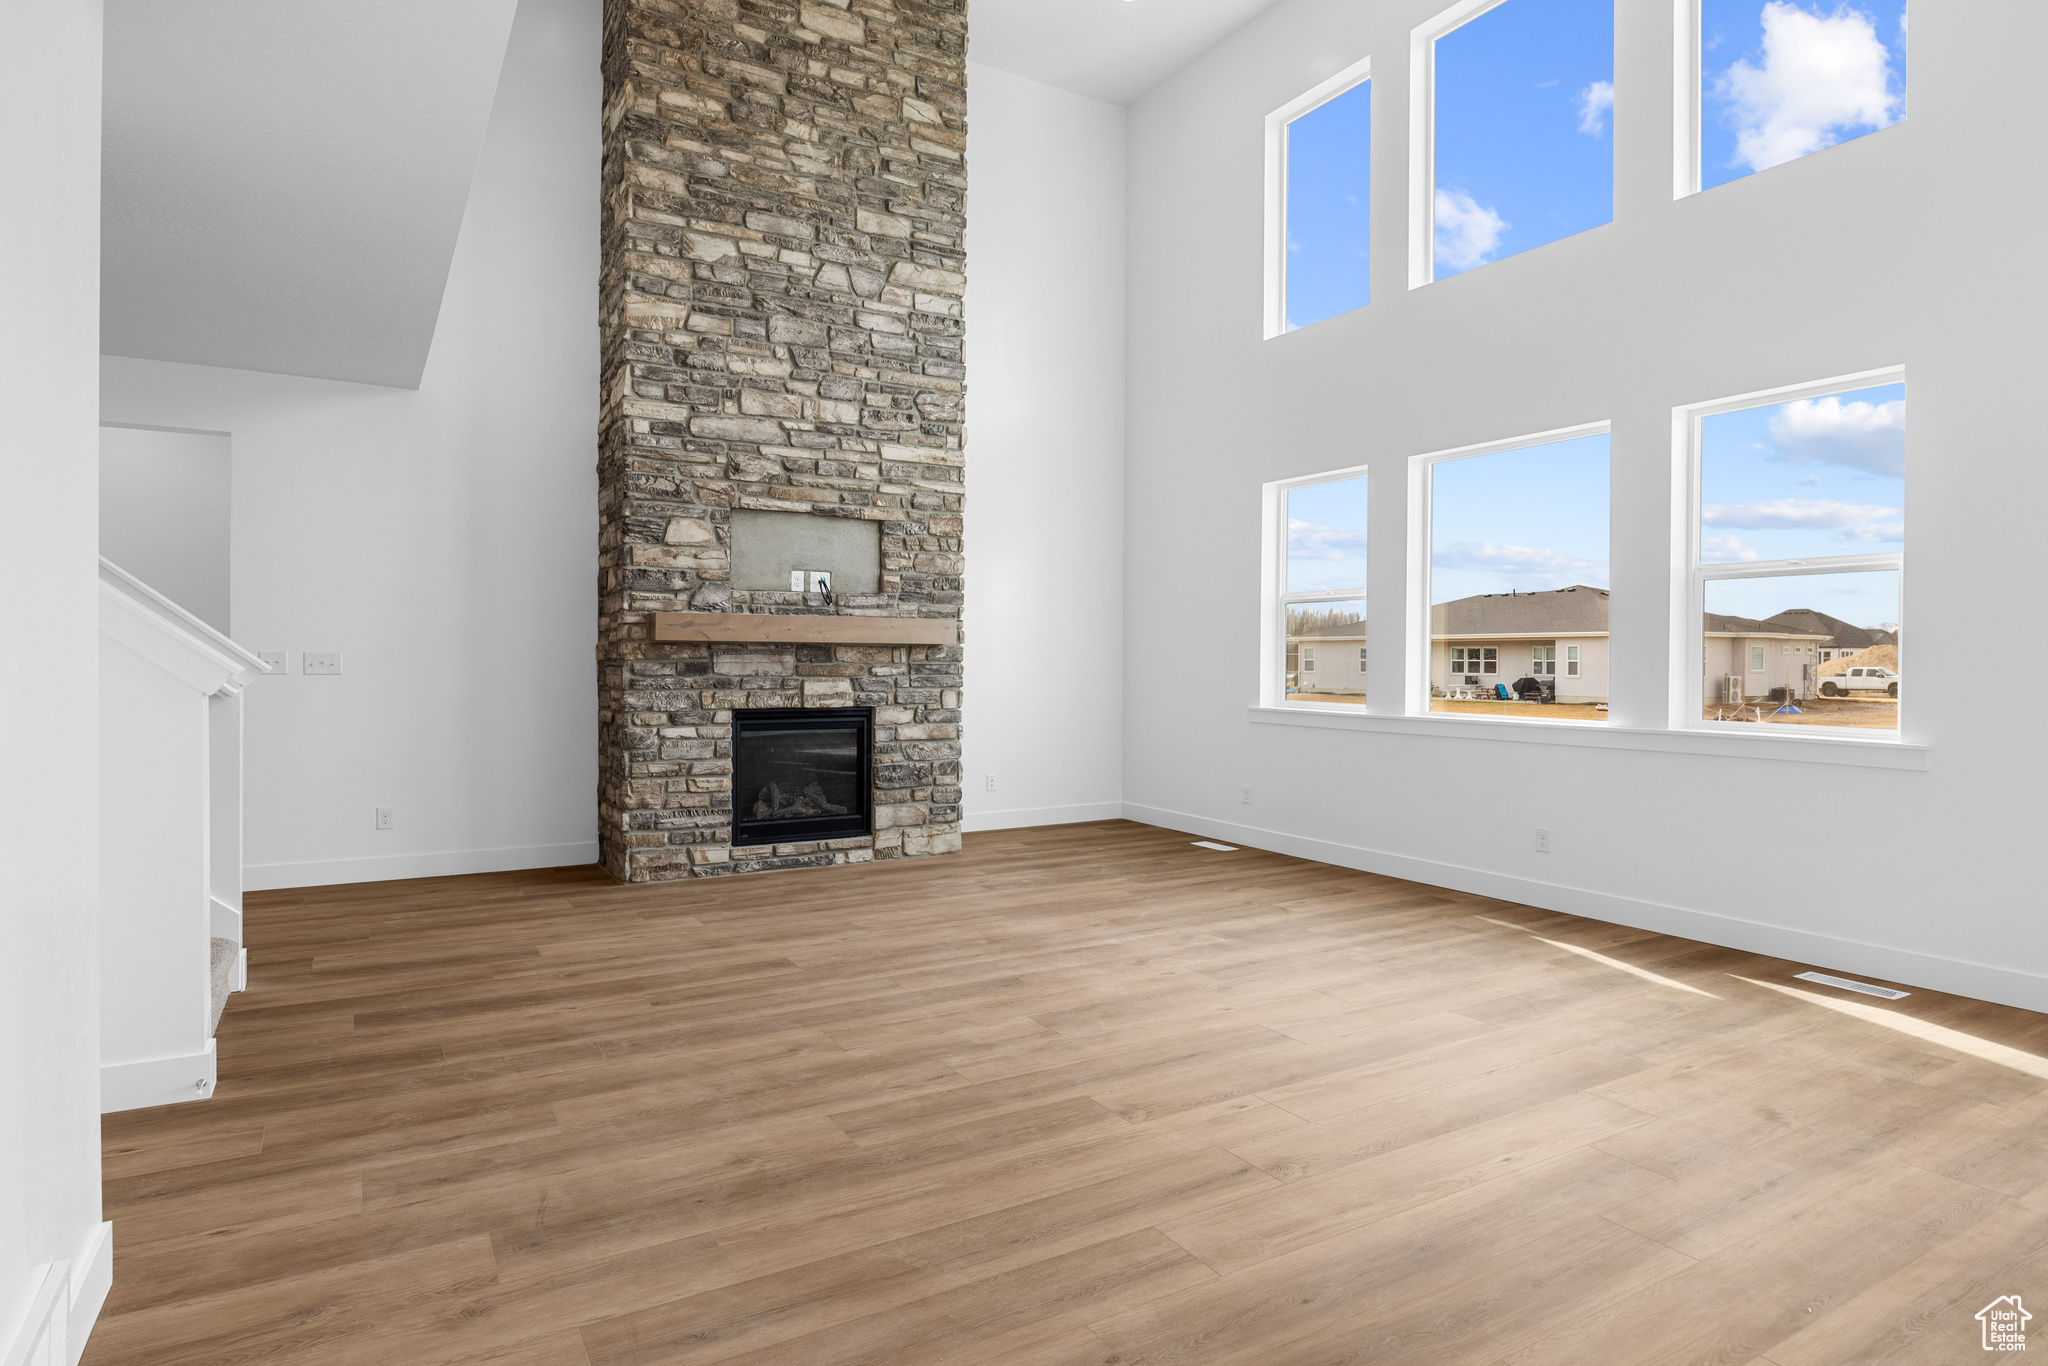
[{"x": 801, "y": 773}]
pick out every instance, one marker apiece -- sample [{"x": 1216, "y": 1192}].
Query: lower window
[{"x": 1768, "y": 661}]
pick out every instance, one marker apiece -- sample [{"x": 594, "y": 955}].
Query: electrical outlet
[
  {"x": 796, "y": 580},
  {"x": 385, "y": 820},
  {"x": 1245, "y": 794},
  {"x": 821, "y": 580},
  {"x": 275, "y": 661},
  {"x": 1542, "y": 840},
  {"x": 991, "y": 782},
  {"x": 320, "y": 662}
]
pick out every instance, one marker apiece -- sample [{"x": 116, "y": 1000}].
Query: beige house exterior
[
  {"x": 1561, "y": 636},
  {"x": 1763, "y": 655},
  {"x": 1558, "y": 636},
  {"x": 1331, "y": 660}
]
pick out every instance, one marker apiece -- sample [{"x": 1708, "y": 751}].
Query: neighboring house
[
  {"x": 1763, "y": 654},
  {"x": 1842, "y": 640},
  {"x": 1327, "y": 659},
  {"x": 1559, "y": 635}
]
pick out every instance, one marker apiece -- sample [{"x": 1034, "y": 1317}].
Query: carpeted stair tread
[{"x": 224, "y": 954}]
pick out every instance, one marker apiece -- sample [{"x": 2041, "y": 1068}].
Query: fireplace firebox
[{"x": 802, "y": 773}]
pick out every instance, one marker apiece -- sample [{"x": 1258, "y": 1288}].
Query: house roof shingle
[
  {"x": 1806, "y": 621},
  {"x": 1578, "y": 610},
  {"x": 1582, "y": 610}
]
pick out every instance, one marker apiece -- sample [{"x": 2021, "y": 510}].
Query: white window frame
[
  {"x": 1422, "y": 134},
  {"x": 1308, "y": 659},
  {"x": 1687, "y": 75},
  {"x": 1275, "y": 598},
  {"x": 1571, "y": 661},
  {"x": 1690, "y": 577},
  {"x": 1415, "y": 701},
  {"x": 1277, "y": 124}
]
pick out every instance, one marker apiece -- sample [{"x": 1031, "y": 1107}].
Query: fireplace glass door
[{"x": 801, "y": 774}]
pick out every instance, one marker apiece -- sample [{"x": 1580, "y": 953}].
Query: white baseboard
[
  {"x": 270, "y": 877},
  {"x": 157, "y": 1081},
  {"x": 92, "y": 1276},
  {"x": 1982, "y": 981},
  {"x": 64, "y": 1305},
  {"x": 1041, "y": 815}
]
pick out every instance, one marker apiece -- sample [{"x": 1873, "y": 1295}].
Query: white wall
[
  {"x": 49, "y": 333},
  {"x": 1913, "y": 245},
  {"x": 444, "y": 539},
  {"x": 1045, "y": 338},
  {"x": 164, "y": 514}
]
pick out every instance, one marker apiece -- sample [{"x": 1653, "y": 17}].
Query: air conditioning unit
[{"x": 1731, "y": 689}]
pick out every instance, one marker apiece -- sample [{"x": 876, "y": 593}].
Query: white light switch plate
[
  {"x": 275, "y": 661},
  {"x": 320, "y": 662}
]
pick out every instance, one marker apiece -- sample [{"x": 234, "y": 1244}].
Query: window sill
[{"x": 1814, "y": 749}]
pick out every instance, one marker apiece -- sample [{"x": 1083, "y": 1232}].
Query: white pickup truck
[{"x": 1862, "y": 678}]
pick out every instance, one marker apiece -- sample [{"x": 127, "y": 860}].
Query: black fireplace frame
[{"x": 850, "y": 826}]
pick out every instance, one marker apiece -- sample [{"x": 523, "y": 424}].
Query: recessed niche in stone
[{"x": 766, "y": 546}]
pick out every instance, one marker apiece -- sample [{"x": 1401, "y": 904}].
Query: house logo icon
[{"x": 2005, "y": 1324}]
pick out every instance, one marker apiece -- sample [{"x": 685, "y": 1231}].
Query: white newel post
[{"x": 170, "y": 839}]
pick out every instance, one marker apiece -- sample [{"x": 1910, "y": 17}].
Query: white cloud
[
  {"x": 1849, "y": 521},
  {"x": 1594, "y": 103},
  {"x": 1526, "y": 565},
  {"x": 1467, "y": 232},
  {"x": 1822, "y": 75},
  {"x": 1308, "y": 541},
  {"x": 1723, "y": 548},
  {"x": 1826, "y": 431}
]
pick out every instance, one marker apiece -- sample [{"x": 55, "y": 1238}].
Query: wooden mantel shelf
[{"x": 764, "y": 628}]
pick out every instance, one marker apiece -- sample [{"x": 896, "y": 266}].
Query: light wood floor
[{"x": 1083, "y": 1095}]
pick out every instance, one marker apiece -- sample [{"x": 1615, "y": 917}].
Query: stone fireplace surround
[{"x": 781, "y": 319}]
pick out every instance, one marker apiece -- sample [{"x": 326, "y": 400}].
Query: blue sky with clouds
[
  {"x": 1524, "y": 129},
  {"x": 1801, "y": 480},
  {"x": 1785, "y": 78},
  {"x": 1528, "y": 519},
  {"x": 1329, "y": 204},
  {"x": 1326, "y": 537}
]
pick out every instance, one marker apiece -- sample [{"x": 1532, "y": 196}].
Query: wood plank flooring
[{"x": 1082, "y": 1095}]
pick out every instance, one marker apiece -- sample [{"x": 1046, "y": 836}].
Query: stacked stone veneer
[{"x": 784, "y": 191}]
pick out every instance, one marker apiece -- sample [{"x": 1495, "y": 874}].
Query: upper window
[
  {"x": 1782, "y": 78},
  {"x": 1320, "y": 535},
  {"x": 1517, "y": 538},
  {"x": 1799, "y": 533},
  {"x": 1319, "y": 230},
  {"x": 1519, "y": 129}
]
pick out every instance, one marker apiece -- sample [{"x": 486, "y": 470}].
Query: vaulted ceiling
[
  {"x": 1113, "y": 50},
  {"x": 284, "y": 182}
]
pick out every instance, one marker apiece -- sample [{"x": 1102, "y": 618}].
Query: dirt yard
[
  {"x": 1859, "y": 713},
  {"x": 1523, "y": 711}
]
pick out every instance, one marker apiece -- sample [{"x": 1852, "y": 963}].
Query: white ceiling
[
  {"x": 1113, "y": 50},
  {"x": 284, "y": 179}
]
